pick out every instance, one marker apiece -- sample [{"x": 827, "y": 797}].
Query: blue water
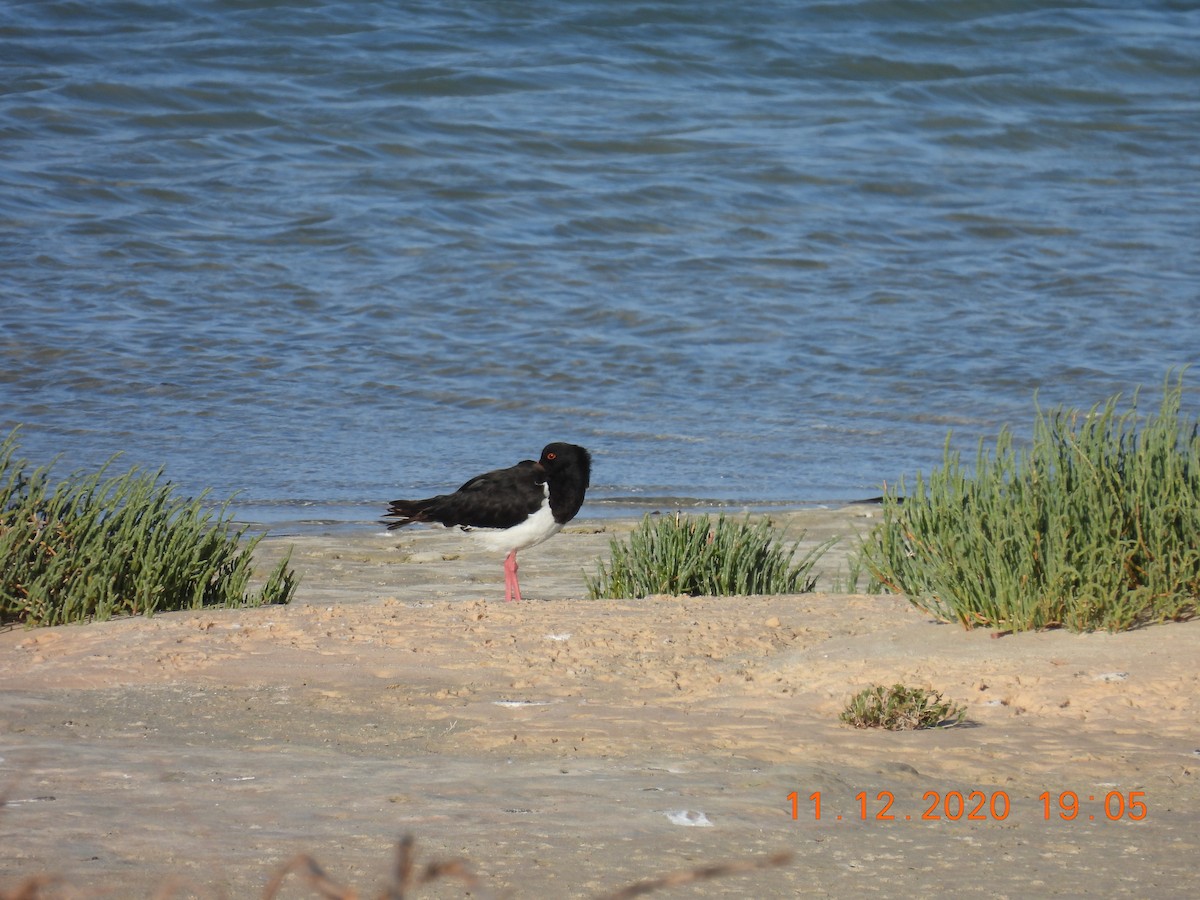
[{"x": 330, "y": 253}]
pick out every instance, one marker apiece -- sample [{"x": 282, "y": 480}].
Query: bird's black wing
[{"x": 499, "y": 499}]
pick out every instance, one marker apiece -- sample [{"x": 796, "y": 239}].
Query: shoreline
[
  {"x": 432, "y": 562},
  {"x": 281, "y": 519},
  {"x": 568, "y": 747}
]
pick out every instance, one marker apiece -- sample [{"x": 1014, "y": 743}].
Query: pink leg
[{"x": 512, "y": 588}]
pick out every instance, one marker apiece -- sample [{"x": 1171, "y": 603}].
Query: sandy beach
[{"x": 565, "y": 747}]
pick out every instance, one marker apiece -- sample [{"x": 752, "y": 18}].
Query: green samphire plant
[
  {"x": 1094, "y": 525},
  {"x": 695, "y": 555},
  {"x": 900, "y": 708},
  {"x": 99, "y": 545}
]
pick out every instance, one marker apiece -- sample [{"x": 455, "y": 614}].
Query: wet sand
[{"x": 566, "y": 747}]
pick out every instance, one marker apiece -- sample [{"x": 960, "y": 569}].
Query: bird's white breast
[{"x": 538, "y": 527}]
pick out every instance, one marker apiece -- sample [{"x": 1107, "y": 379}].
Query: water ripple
[{"x": 769, "y": 252}]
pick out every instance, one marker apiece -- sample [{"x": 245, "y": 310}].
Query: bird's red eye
[{"x": 551, "y": 456}]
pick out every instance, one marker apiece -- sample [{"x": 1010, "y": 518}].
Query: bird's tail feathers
[{"x": 406, "y": 512}]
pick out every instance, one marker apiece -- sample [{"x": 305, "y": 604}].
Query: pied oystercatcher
[{"x": 512, "y": 508}]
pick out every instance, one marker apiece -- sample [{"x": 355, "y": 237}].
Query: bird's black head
[{"x": 562, "y": 458}]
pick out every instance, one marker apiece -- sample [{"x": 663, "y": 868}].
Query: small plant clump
[
  {"x": 901, "y": 708},
  {"x": 1093, "y": 526},
  {"x": 97, "y": 546},
  {"x": 684, "y": 555}
]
